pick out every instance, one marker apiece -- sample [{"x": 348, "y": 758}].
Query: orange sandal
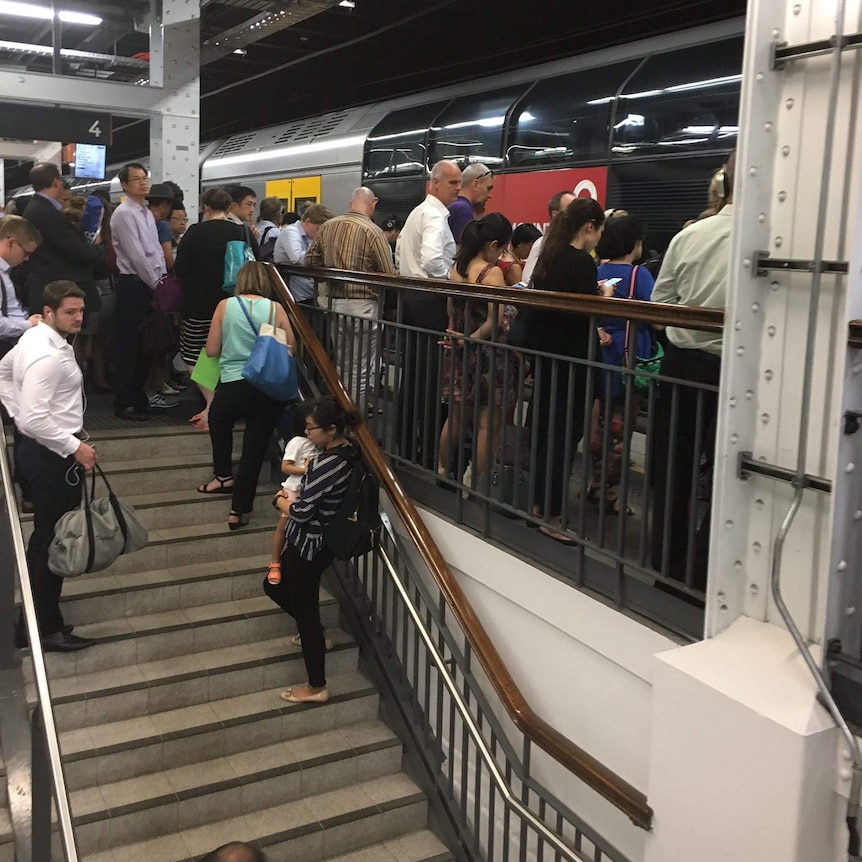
[{"x": 273, "y": 574}]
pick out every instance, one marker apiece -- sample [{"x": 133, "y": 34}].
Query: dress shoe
[
  {"x": 131, "y": 413},
  {"x": 23, "y": 642},
  {"x": 318, "y": 696},
  {"x": 64, "y": 642}
]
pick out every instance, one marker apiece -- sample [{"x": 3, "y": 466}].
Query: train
[{"x": 640, "y": 126}]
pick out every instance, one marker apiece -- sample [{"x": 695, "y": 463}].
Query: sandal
[
  {"x": 273, "y": 573},
  {"x": 240, "y": 521},
  {"x": 223, "y": 487}
]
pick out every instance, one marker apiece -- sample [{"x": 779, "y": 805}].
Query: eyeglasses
[
  {"x": 313, "y": 427},
  {"x": 26, "y": 253},
  {"x": 139, "y": 179},
  {"x": 182, "y": 219}
]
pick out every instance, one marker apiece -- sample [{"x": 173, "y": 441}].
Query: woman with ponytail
[
  {"x": 477, "y": 263},
  {"x": 564, "y": 265}
]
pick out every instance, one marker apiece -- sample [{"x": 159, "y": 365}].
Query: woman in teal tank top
[{"x": 231, "y": 338}]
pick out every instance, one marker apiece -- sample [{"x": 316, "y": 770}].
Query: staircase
[{"x": 173, "y": 736}]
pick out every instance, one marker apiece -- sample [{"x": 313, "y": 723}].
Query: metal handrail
[
  {"x": 603, "y": 780},
  {"x": 505, "y": 789},
  {"x": 61, "y": 796}
]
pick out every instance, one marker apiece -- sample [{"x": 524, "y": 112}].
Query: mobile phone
[{"x": 612, "y": 282}]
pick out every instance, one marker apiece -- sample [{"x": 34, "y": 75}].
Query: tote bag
[
  {"x": 270, "y": 367},
  {"x": 90, "y": 538},
  {"x": 237, "y": 253}
]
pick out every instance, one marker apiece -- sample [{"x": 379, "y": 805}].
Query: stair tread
[
  {"x": 263, "y": 521},
  {"x": 298, "y": 817},
  {"x": 130, "y": 676},
  {"x": 118, "y": 797},
  {"x": 421, "y": 846},
  {"x": 88, "y": 741},
  {"x": 191, "y": 495},
  {"x": 100, "y": 583},
  {"x": 167, "y": 462}
]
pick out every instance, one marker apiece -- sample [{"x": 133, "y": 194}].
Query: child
[{"x": 298, "y": 452}]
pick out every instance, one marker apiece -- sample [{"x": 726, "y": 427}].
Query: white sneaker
[{"x": 161, "y": 401}]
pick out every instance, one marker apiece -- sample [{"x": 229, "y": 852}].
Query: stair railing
[
  {"x": 458, "y": 610},
  {"x": 30, "y": 746}
]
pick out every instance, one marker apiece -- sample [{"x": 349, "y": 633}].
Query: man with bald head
[
  {"x": 477, "y": 183},
  {"x": 352, "y": 241},
  {"x": 236, "y": 851},
  {"x": 425, "y": 249}
]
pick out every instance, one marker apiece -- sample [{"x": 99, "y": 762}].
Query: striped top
[
  {"x": 351, "y": 241},
  {"x": 320, "y": 494}
]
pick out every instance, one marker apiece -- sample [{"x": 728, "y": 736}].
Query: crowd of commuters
[{"x": 85, "y": 268}]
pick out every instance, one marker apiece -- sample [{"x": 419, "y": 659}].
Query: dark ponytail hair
[
  {"x": 327, "y": 412},
  {"x": 477, "y": 234},
  {"x": 564, "y": 228}
]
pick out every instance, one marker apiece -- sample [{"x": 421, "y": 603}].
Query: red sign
[{"x": 524, "y": 197}]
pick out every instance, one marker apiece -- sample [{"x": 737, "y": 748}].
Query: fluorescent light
[
  {"x": 286, "y": 152},
  {"x": 79, "y": 18},
  {"x": 44, "y": 13},
  {"x": 677, "y": 88},
  {"x": 348, "y": 4}
]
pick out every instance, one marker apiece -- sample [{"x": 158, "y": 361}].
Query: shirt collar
[
  {"x": 437, "y": 204},
  {"x": 57, "y": 340},
  {"x": 53, "y": 201},
  {"x": 4, "y": 266}
]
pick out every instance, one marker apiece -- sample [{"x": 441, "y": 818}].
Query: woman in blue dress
[{"x": 620, "y": 246}]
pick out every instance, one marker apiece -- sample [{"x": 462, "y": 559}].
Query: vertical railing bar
[{"x": 691, "y": 545}]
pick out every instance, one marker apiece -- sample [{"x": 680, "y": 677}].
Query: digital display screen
[{"x": 89, "y": 161}]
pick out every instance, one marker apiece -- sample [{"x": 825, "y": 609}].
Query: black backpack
[
  {"x": 355, "y": 527},
  {"x": 267, "y": 246}
]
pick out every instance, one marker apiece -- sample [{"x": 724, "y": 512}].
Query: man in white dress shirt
[
  {"x": 40, "y": 387},
  {"x": 425, "y": 249}
]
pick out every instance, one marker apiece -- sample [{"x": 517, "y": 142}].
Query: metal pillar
[{"x": 800, "y": 202}]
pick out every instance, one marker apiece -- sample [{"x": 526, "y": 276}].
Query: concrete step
[
  {"x": 185, "y": 680},
  {"x": 241, "y": 783},
  {"x": 422, "y": 846},
  {"x": 155, "y": 443},
  {"x": 119, "y": 750},
  {"x": 322, "y": 826},
  {"x": 173, "y": 547},
  {"x": 96, "y": 597},
  {"x": 151, "y": 637}
]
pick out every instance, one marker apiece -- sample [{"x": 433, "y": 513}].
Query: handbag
[
  {"x": 168, "y": 295},
  {"x": 510, "y": 472},
  {"x": 237, "y": 253},
  {"x": 90, "y": 538},
  {"x": 207, "y": 370},
  {"x": 158, "y": 334},
  {"x": 643, "y": 365},
  {"x": 271, "y": 367}
]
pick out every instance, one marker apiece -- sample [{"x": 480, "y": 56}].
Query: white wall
[{"x": 585, "y": 668}]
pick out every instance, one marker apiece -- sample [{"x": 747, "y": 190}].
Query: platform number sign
[{"x": 42, "y": 123}]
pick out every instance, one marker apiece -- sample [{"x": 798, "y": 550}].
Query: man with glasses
[
  {"x": 141, "y": 262},
  {"x": 179, "y": 222},
  {"x": 477, "y": 183},
  {"x": 64, "y": 252},
  {"x": 18, "y": 240},
  {"x": 352, "y": 241}
]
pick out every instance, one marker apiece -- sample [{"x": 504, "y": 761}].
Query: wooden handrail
[
  {"x": 594, "y": 773},
  {"x": 656, "y": 313}
]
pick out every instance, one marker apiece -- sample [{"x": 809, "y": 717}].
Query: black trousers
[
  {"x": 233, "y": 401},
  {"x": 419, "y": 389},
  {"x": 55, "y": 485},
  {"x": 298, "y": 594},
  {"x": 679, "y": 450},
  {"x": 134, "y": 302},
  {"x": 549, "y": 413}
]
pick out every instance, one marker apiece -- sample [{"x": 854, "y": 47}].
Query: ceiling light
[
  {"x": 241, "y": 51},
  {"x": 44, "y": 13},
  {"x": 348, "y": 4}
]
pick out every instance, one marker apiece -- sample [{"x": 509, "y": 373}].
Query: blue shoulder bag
[{"x": 270, "y": 367}]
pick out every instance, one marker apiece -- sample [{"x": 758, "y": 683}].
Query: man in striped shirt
[{"x": 352, "y": 241}]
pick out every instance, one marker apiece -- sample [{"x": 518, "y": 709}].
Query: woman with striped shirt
[{"x": 305, "y": 557}]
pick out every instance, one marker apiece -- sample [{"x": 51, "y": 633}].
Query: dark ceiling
[{"x": 341, "y": 57}]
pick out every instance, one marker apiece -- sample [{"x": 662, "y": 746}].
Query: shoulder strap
[
  {"x": 247, "y": 315},
  {"x": 484, "y": 272},
  {"x": 628, "y": 322}
]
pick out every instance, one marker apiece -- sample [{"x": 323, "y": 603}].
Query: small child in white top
[{"x": 297, "y": 454}]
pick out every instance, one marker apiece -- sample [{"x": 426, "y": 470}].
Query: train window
[
  {"x": 471, "y": 128},
  {"x": 682, "y": 101},
  {"x": 397, "y": 145},
  {"x": 561, "y": 120}
]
